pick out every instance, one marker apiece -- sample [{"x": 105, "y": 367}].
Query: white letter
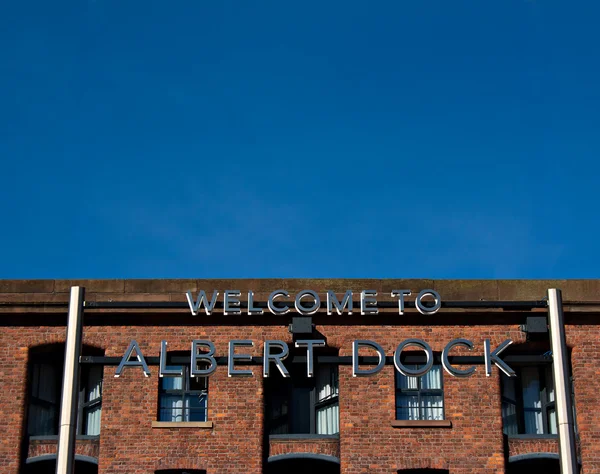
[
  {"x": 368, "y": 305},
  {"x": 446, "y": 363},
  {"x": 413, "y": 372},
  {"x": 428, "y": 309},
  {"x": 231, "y": 372},
  {"x": 493, "y": 356},
  {"x": 162, "y": 371},
  {"x": 231, "y": 303},
  {"x": 205, "y": 356},
  {"x": 356, "y": 372},
  {"x": 251, "y": 308},
  {"x": 125, "y": 362},
  {"x": 271, "y": 302},
  {"x": 339, "y": 307},
  {"x": 277, "y": 358},
  {"x": 202, "y": 300},
  {"x": 400, "y": 294},
  {"x": 309, "y": 343},
  {"x": 307, "y": 311}
]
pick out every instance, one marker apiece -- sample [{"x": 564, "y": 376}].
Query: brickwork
[
  {"x": 329, "y": 447},
  {"x": 368, "y": 442},
  {"x": 473, "y": 444},
  {"x": 518, "y": 446},
  {"x": 83, "y": 447},
  {"x": 585, "y": 362}
]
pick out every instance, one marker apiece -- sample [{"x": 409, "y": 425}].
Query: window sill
[
  {"x": 55, "y": 437},
  {"x": 532, "y": 436},
  {"x": 421, "y": 424},
  {"x": 182, "y": 424},
  {"x": 303, "y": 436}
]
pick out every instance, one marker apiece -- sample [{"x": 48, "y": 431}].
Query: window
[
  {"x": 182, "y": 398},
  {"x": 46, "y": 373},
  {"x": 90, "y": 401},
  {"x": 180, "y": 471},
  {"x": 327, "y": 405},
  {"x": 420, "y": 398},
  {"x": 46, "y": 464},
  {"x": 44, "y": 399},
  {"x": 528, "y": 405},
  {"x": 302, "y": 405}
]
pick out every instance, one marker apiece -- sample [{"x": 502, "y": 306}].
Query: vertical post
[
  {"x": 564, "y": 408},
  {"x": 70, "y": 388}
]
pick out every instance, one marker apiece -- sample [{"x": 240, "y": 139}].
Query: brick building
[{"x": 386, "y": 422}]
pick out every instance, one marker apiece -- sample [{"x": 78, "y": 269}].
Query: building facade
[{"x": 339, "y": 419}]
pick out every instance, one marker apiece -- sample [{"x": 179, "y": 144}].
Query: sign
[
  {"x": 308, "y": 302},
  {"x": 207, "y": 358}
]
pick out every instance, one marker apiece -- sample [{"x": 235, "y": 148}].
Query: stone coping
[{"x": 455, "y": 290}]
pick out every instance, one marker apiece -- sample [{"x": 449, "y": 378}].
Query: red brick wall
[
  {"x": 328, "y": 447},
  {"x": 14, "y": 351},
  {"x": 235, "y": 405},
  {"x": 532, "y": 445},
  {"x": 84, "y": 447},
  {"x": 585, "y": 363},
  {"x": 368, "y": 442}
]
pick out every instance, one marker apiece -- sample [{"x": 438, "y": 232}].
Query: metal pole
[
  {"x": 70, "y": 389},
  {"x": 564, "y": 408}
]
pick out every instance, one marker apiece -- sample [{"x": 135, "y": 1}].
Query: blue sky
[{"x": 310, "y": 139}]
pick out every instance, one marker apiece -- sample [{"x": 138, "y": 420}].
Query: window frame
[
  {"x": 330, "y": 400},
  {"x": 184, "y": 393},
  {"x": 546, "y": 405},
  {"x": 420, "y": 392},
  {"x": 54, "y": 357},
  {"x": 334, "y": 382},
  {"x": 49, "y": 359},
  {"x": 285, "y": 394},
  {"x": 84, "y": 407}
]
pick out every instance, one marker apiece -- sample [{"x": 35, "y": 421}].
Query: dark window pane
[
  {"x": 303, "y": 405},
  {"x": 407, "y": 383},
  {"x": 407, "y": 407},
  {"x": 529, "y": 410},
  {"x": 197, "y": 407},
  {"x": 509, "y": 418},
  {"x": 530, "y": 381},
  {"x": 43, "y": 406},
  {"x": 198, "y": 383},
  {"x": 509, "y": 387},
  {"x": 533, "y": 422},
  {"x": 45, "y": 383},
  {"x": 171, "y": 383}
]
